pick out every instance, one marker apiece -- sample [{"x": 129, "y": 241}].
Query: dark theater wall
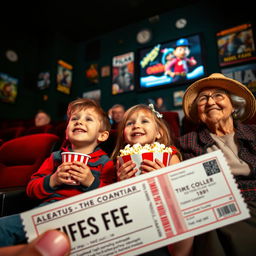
[{"x": 203, "y": 18}]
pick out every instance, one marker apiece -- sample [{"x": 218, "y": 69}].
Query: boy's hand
[
  {"x": 61, "y": 176},
  {"x": 126, "y": 170},
  {"x": 81, "y": 173}
]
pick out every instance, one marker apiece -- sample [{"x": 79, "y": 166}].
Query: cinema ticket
[{"x": 146, "y": 212}]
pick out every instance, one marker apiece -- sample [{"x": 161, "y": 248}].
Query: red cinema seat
[
  {"x": 188, "y": 126},
  {"x": 173, "y": 121},
  {"x": 48, "y": 128},
  {"x": 60, "y": 129},
  {"x": 21, "y": 157},
  {"x": 11, "y": 133}
]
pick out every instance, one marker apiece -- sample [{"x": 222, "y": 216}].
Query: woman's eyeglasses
[{"x": 217, "y": 96}]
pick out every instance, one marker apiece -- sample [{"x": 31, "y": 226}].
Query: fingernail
[{"x": 52, "y": 243}]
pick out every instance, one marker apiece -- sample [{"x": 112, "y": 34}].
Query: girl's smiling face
[{"x": 141, "y": 128}]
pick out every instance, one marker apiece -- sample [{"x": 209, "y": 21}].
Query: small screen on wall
[{"x": 171, "y": 63}]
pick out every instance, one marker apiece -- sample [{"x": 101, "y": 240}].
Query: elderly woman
[{"x": 218, "y": 104}]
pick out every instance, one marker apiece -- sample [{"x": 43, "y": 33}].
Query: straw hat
[{"x": 219, "y": 81}]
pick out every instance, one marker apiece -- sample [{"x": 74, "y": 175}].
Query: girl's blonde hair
[{"x": 160, "y": 123}]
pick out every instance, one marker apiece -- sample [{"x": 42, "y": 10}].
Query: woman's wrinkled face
[{"x": 213, "y": 105}]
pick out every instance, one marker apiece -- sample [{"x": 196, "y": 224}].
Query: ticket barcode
[
  {"x": 211, "y": 167},
  {"x": 160, "y": 208},
  {"x": 226, "y": 210},
  {"x": 165, "y": 221}
]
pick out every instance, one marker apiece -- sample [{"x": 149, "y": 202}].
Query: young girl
[{"x": 143, "y": 124}]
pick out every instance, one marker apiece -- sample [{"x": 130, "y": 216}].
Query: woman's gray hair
[{"x": 239, "y": 104}]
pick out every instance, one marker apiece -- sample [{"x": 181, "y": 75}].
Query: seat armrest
[{"x": 14, "y": 201}]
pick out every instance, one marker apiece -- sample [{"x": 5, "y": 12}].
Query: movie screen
[{"x": 171, "y": 63}]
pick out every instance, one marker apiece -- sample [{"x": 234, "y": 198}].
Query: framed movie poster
[
  {"x": 94, "y": 95},
  {"x": 8, "y": 88},
  {"x": 160, "y": 103},
  {"x": 236, "y": 45},
  {"x": 123, "y": 73},
  {"x": 43, "y": 80},
  {"x": 246, "y": 74},
  {"x": 92, "y": 74},
  {"x": 105, "y": 71},
  {"x": 177, "y": 98},
  {"x": 64, "y": 77}
]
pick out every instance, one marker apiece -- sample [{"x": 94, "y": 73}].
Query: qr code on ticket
[{"x": 211, "y": 167}]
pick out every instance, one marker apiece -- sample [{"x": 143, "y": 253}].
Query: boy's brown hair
[{"x": 83, "y": 103}]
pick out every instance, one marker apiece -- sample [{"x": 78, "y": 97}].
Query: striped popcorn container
[
  {"x": 164, "y": 157},
  {"x": 74, "y": 156}
]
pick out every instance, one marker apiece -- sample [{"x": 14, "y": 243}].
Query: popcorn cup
[
  {"x": 164, "y": 157},
  {"x": 74, "y": 156}
]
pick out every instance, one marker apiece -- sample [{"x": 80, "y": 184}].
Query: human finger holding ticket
[
  {"x": 50, "y": 243},
  {"x": 79, "y": 166},
  {"x": 143, "y": 145},
  {"x": 219, "y": 106}
]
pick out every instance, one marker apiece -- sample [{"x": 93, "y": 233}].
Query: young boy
[{"x": 88, "y": 126}]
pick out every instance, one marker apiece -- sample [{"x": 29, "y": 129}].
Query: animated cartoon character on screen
[
  {"x": 167, "y": 57},
  {"x": 178, "y": 67}
]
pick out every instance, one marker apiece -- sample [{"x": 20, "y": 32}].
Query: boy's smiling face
[{"x": 84, "y": 128}]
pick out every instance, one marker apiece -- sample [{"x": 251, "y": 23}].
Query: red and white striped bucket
[
  {"x": 164, "y": 157},
  {"x": 74, "y": 156}
]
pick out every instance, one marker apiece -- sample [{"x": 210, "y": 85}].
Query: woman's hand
[
  {"x": 126, "y": 170},
  {"x": 50, "y": 243}
]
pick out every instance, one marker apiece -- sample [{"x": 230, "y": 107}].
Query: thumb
[
  {"x": 117, "y": 164},
  {"x": 50, "y": 243}
]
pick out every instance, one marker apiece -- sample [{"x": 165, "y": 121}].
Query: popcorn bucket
[
  {"x": 74, "y": 156},
  {"x": 164, "y": 157}
]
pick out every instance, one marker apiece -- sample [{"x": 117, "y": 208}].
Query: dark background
[{"x": 83, "y": 33}]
